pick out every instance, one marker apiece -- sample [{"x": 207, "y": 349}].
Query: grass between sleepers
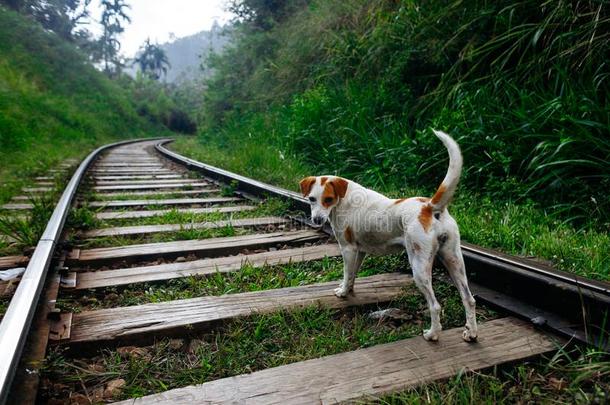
[
  {"x": 183, "y": 234},
  {"x": 248, "y": 344},
  {"x": 247, "y": 279},
  {"x": 268, "y": 207},
  {"x": 577, "y": 376},
  {"x": 163, "y": 196},
  {"x": 21, "y": 229}
]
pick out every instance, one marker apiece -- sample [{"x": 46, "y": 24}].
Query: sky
[{"x": 162, "y": 20}]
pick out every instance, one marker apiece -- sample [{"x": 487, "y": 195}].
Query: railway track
[{"x": 125, "y": 188}]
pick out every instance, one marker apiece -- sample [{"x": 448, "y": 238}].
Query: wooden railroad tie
[
  {"x": 369, "y": 373},
  {"x": 157, "y": 319},
  {"x": 204, "y": 247}
]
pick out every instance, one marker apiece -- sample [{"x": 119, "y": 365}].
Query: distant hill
[{"x": 185, "y": 53}]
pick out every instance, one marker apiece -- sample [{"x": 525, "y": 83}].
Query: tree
[
  {"x": 60, "y": 16},
  {"x": 264, "y": 14},
  {"x": 114, "y": 16},
  {"x": 152, "y": 60}
]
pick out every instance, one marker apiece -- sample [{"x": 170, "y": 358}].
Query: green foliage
[
  {"x": 53, "y": 104},
  {"x": 352, "y": 87},
  {"x": 158, "y": 103},
  {"x": 152, "y": 60},
  {"x": 114, "y": 16},
  {"x": 26, "y": 230},
  {"x": 577, "y": 376},
  {"x": 60, "y": 16}
]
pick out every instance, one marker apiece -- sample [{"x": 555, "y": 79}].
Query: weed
[{"x": 27, "y": 230}]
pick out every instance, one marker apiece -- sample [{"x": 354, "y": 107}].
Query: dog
[{"x": 366, "y": 222}]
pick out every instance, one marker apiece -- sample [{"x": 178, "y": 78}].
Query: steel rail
[
  {"x": 573, "y": 306},
  {"x": 18, "y": 317}
]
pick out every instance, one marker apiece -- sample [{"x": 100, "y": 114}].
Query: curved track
[{"x": 131, "y": 182}]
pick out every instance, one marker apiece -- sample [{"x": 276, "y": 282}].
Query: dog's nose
[{"x": 318, "y": 220}]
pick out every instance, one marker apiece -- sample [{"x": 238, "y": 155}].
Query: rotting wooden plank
[
  {"x": 152, "y": 186},
  {"x": 148, "y": 229},
  {"x": 368, "y": 373},
  {"x": 149, "y": 181},
  {"x": 17, "y": 206},
  {"x": 109, "y": 278},
  {"x": 139, "y": 177},
  {"x": 173, "y": 201},
  {"x": 9, "y": 262},
  {"x": 153, "y": 213},
  {"x": 208, "y": 247},
  {"x": 177, "y": 192},
  {"x": 159, "y": 318}
]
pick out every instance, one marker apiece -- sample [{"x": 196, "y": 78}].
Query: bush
[
  {"x": 179, "y": 121},
  {"x": 352, "y": 87}
]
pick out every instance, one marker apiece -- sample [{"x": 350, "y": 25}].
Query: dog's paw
[
  {"x": 341, "y": 292},
  {"x": 469, "y": 335},
  {"x": 430, "y": 335}
]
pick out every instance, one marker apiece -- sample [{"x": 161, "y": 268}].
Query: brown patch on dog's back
[
  {"x": 349, "y": 235},
  {"x": 422, "y": 199},
  {"x": 399, "y": 201},
  {"x": 436, "y": 198},
  {"x": 306, "y": 184},
  {"x": 425, "y": 217}
]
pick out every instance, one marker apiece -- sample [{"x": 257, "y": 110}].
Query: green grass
[
  {"x": 269, "y": 207},
  {"x": 24, "y": 228},
  {"x": 569, "y": 377},
  {"x": 183, "y": 234},
  {"x": 353, "y": 86},
  {"x": 250, "y": 344},
  {"x": 164, "y": 196},
  {"x": 252, "y": 158},
  {"x": 54, "y": 105},
  {"x": 247, "y": 279},
  {"x": 521, "y": 228}
]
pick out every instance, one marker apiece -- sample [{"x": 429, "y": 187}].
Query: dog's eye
[
  {"x": 328, "y": 200},
  {"x": 312, "y": 199}
]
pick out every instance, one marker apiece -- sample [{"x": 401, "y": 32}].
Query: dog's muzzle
[{"x": 318, "y": 221}]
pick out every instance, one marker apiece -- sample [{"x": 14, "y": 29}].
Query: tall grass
[{"x": 352, "y": 87}]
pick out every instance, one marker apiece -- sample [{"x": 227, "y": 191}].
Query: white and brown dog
[{"x": 365, "y": 221}]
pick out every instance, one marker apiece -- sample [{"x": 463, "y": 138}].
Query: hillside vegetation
[
  {"x": 353, "y": 87},
  {"x": 53, "y": 103}
]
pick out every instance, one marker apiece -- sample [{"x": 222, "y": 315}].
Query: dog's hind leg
[
  {"x": 421, "y": 260},
  {"x": 451, "y": 256},
  {"x": 352, "y": 260}
]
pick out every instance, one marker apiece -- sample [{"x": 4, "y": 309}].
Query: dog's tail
[{"x": 445, "y": 191}]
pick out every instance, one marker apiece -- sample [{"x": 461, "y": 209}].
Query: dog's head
[{"x": 324, "y": 193}]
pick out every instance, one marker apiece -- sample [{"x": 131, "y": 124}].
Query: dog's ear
[
  {"x": 340, "y": 186},
  {"x": 306, "y": 185}
]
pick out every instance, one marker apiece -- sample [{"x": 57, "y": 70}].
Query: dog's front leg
[{"x": 352, "y": 260}]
